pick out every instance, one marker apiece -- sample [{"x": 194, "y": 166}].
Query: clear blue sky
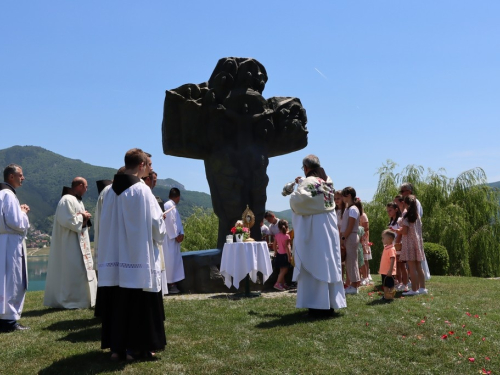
[{"x": 413, "y": 81}]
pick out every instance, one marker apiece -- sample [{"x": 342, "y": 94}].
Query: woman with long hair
[{"x": 412, "y": 246}]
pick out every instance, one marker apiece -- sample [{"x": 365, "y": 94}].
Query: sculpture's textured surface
[{"x": 228, "y": 123}]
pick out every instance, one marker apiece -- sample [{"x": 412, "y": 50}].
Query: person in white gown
[
  {"x": 71, "y": 280},
  {"x": 174, "y": 267},
  {"x": 131, "y": 226},
  {"x": 14, "y": 225},
  {"x": 318, "y": 269}
]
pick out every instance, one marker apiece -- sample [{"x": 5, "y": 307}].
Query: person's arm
[
  {"x": 288, "y": 248},
  {"x": 391, "y": 266},
  {"x": 275, "y": 245}
]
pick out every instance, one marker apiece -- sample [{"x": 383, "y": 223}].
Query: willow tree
[{"x": 462, "y": 214}]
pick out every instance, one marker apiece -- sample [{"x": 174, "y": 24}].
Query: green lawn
[{"x": 219, "y": 335}]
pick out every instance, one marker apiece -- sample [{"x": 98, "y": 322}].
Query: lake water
[{"x": 37, "y": 272}]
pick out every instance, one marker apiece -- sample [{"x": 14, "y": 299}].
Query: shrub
[
  {"x": 437, "y": 258},
  {"x": 200, "y": 230}
]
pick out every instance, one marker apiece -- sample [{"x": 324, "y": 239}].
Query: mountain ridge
[{"x": 47, "y": 172}]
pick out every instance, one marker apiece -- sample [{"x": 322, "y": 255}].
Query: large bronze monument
[{"x": 228, "y": 123}]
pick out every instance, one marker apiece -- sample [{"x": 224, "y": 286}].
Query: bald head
[{"x": 79, "y": 186}]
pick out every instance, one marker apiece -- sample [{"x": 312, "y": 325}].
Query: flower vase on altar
[{"x": 239, "y": 237}]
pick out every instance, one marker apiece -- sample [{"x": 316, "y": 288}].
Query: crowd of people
[
  {"x": 131, "y": 283},
  {"x": 330, "y": 257},
  {"x": 332, "y": 248}
]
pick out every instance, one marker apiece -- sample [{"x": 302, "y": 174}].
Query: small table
[{"x": 243, "y": 260}]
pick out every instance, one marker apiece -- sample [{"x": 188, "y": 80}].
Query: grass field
[{"x": 453, "y": 330}]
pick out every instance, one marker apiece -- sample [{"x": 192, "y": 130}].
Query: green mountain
[
  {"x": 47, "y": 172},
  {"x": 495, "y": 184}
]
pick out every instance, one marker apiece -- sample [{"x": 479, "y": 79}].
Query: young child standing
[
  {"x": 388, "y": 264},
  {"x": 283, "y": 255}
]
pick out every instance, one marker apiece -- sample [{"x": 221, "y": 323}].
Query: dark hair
[
  {"x": 399, "y": 198},
  {"x": 389, "y": 232},
  {"x": 357, "y": 202},
  {"x": 10, "y": 169},
  {"x": 268, "y": 214},
  {"x": 174, "y": 193},
  {"x": 283, "y": 225},
  {"x": 398, "y": 213},
  {"x": 412, "y": 211},
  {"x": 77, "y": 182},
  {"x": 134, "y": 157},
  {"x": 121, "y": 170},
  {"x": 407, "y": 186}
]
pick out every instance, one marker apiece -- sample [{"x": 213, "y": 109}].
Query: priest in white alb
[
  {"x": 131, "y": 226},
  {"x": 71, "y": 279},
  {"x": 174, "y": 267},
  {"x": 318, "y": 269},
  {"x": 14, "y": 226}
]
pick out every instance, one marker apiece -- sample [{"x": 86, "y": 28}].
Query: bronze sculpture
[{"x": 229, "y": 124}]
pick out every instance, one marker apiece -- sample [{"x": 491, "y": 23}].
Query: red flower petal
[
  {"x": 487, "y": 358},
  {"x": 476, "y": 316},
  {"x": 469, "y": 333},
  {"x": 451, "y": 333},
  {"x": 422, "y": 321},
  {"x": 468, "y": 313},
  {"x": 444, "y": 337},
  {"x": 486, "y": 372},
  {"x": 463, "y": 325},
  {"x": 484, "y": 338},
  {"x": 471, "y": 359}
]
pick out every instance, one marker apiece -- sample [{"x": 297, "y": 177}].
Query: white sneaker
[
  {"x": 351, "y": 290},
  {"x": 410, "y": 293},
  {"x": 364, "y": 282},
  {"x": 399, "y": 287},
  {"x": 370, "y": 277},
  {"x": 423, "y": 291}
]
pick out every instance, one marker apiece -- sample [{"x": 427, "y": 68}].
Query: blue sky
[{"x": 415, "y": 82}]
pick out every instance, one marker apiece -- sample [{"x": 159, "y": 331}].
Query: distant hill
[
  {"x": 495, "y": 184},
  {"x": 47, "y": 172}
]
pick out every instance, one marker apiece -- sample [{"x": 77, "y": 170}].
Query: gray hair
[
  {"x": 311, "y": 162},
  {"x": 407, "y": 186},
  {"x": 10, "y": 169}
]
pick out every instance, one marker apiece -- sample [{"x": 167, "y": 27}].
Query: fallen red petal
[
  {"x": 469, "y": 333},
  {"x": 486, "y": 372},
  {"x": 476, "y": 316},
  {"x": 468, "y": 313},
  {"x": 471, "y": 359},
  {"x": 451, "y": 333},
  {"x": 487, "y": 358},
  {"x": 443, "y": 337}
]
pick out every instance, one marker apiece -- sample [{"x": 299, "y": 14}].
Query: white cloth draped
[
  {"x": 316, "y": 244},
  {"x": 14, "y": 226},
  {"x": 131, "y": 226},
  {"x": 71, "y": 281},
  {"x": 174, "y": 267},
  {"x": 242, "y": 258}
]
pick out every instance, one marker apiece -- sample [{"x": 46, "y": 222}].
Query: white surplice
[
  {"x": 174, "y": 268},
  {"x": 14, "y": 226},
  {"x": 131, "y": 226},
  {"x": 316, "y": 243},
  {"x": 97, "y": 218},
  {"x": 71, "y": 280}
]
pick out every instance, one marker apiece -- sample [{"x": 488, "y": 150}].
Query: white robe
[
  {"x": 14, "y": 226},
  {"x": 71, "y": 281},
  {"x": 131, "y": 226},
  {"x": 174, "y": 268},
  {"x": 97, "y": 219},
  {"x": 318, "y": 269}
]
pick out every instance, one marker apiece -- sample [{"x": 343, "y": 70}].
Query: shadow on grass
[
  {"x": 380, "y": 301},
  {"x": 66, "y": 325},
  {"x": 41, "y": 312},
  {"x": 94, "y": 362},
  {"x": 288, "y": 319},
  {"x": 84, "y": 335}
]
